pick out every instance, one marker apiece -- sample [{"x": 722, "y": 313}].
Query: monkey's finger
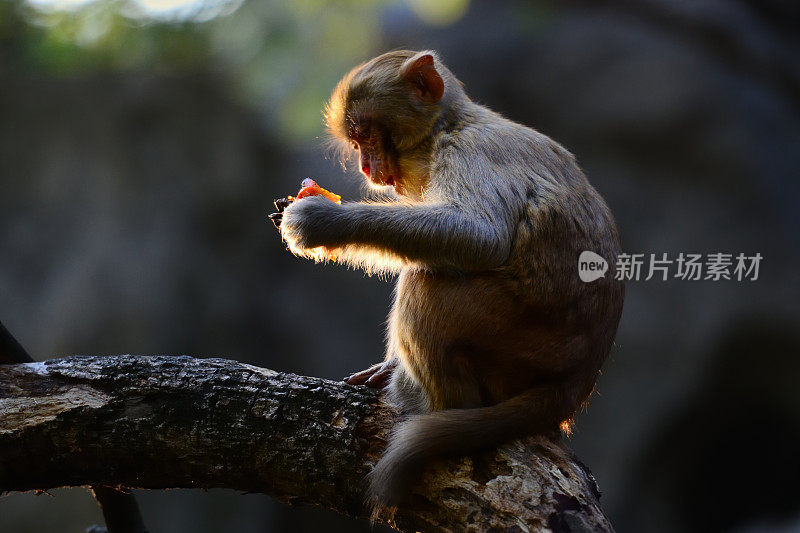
[
  {"x": 380, "y": 379},
  {"x": 281, "y": 204},
  {"x": 276, "y": 219},
  {"x": 359, "y": 378}
]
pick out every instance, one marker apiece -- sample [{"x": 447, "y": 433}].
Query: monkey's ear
[{"x": 426, "y": 82}]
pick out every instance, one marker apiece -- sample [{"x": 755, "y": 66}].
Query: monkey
[{"x": 491, "y": 336}]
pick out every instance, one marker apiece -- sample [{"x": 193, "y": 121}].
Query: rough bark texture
[{"x": 165, "y": 422}]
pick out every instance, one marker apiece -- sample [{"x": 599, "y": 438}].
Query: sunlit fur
[
  {"x": 495, "y": 334},
  {"x": 374, "y": 88},
  {"x": 373, "y": 260},
  {"x": 375, "y": 91}
]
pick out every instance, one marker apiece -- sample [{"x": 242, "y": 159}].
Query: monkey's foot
[{"x": 377, "y": 376}]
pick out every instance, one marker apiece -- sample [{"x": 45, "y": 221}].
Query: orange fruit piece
[{"x": 310, "y": 188}]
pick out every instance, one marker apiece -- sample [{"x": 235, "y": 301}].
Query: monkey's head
[{"x": 385, "y": 110}]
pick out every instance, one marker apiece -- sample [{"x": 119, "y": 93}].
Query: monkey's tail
[{"x": 460, "y": 431}]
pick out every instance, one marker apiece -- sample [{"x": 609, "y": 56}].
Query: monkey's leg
[
  {"x": 459, "y": 385},
  {"x": 377, "y": 376},
  {"x": 406, "y": 394}
]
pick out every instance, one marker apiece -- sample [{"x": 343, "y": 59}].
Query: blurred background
[{"x": 142, "y": 141}]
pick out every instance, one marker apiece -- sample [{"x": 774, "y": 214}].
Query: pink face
[
  {"x": 374, "y": 162},
  {"x": 376, "y": 169}
]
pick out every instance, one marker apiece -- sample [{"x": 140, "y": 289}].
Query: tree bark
[
  {"x": 181, "y": 422},
  {"x": 120, "y": 509}
]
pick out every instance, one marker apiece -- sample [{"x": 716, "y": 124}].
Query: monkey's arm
[{"x": 432, "y": 234}]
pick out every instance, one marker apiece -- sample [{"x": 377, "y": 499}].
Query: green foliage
[{"x": 277, "y": 56}]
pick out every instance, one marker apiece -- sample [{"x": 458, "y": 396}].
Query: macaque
[{"x": 492, "y": 335}]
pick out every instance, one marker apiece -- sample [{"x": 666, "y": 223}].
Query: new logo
[{"x": 591, "y": 266}]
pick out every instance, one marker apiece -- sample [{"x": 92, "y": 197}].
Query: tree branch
[
  {"x": 10, "y": 350},
  {"x": 166, "y": 422},
  {"x": 120, "y": 509}
]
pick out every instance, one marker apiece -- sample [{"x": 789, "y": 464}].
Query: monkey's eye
[
  {"x": 354, "y": 145},
  {"x": 362, "y": 131}
]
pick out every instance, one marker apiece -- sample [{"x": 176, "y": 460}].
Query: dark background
[{"x": 140, "y": 148}]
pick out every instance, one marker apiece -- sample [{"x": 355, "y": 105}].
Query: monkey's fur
[{"x": 492, "y": 335}]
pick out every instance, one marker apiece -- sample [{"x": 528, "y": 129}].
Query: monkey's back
[{"x": 478, "y": 338}]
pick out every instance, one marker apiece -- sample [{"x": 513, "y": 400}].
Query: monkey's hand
[
  {"x": 309, "y": 224},
  {"x": 376, "y": 376}
]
